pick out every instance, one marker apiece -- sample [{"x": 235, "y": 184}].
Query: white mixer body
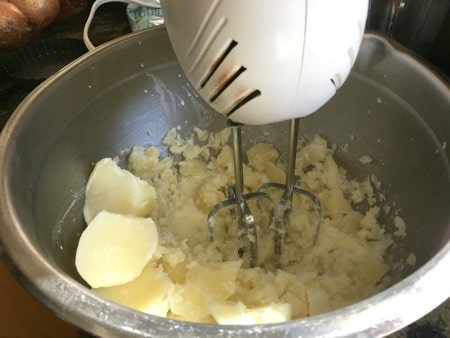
[{"x": 260, "y": 62}]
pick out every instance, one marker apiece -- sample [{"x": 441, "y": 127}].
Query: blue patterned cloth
[{"x": 141, "y": 17}]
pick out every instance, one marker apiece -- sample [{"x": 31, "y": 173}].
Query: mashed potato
[{"x": 210, "y": 282}]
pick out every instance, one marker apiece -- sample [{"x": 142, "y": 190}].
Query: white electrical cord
[{"x": 94, "y": 8}]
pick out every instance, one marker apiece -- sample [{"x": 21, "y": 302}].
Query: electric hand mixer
[{"x": 259, "y": 62}]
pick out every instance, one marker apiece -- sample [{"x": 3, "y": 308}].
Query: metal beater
[
  {"x": 284, "y": 207},
  {"x": 247, "y": 229},
  {"x": 279, "y": 215}
]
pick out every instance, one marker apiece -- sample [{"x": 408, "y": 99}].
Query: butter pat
[
  {"x": 118, "y": 191},
  {"x": 239, "y": 314},
  {"x": 114, "y": 249},
  {"x": 147, "y": 293}
]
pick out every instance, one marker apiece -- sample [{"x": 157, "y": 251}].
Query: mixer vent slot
[
  {"x": 332, "y": 81},
  {"x": 248, "y": 98},
  {"x": 218, "y": 62},
  {"x": 351, "y": 55},
  {"x": 228, "y": 82},
  {"x": 360, "y": 29},
  {"x": 336, "y": 80}
]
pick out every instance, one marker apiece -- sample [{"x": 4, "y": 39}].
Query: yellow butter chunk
[
  {"x": 117, "y": 190},
  {"x": 147, "y": 293},
  {"x": 238, "y": 313},
  {"x": 114, "y": 249}
]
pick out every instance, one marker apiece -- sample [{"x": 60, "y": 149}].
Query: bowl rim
[{"x": 377, "y": 316}]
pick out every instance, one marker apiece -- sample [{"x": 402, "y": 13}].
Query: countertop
[{"x": 23, "y": 316}]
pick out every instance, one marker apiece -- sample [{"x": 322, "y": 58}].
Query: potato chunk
[
  {"x": 118, "y": 191},
  {"x": 115, "y": 248},
  {"x": 238, "y": 313},
  {"x": 147, "y": 293},
  {"x": 204, "y": 285}
]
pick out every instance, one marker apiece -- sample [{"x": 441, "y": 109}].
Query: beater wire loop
[{"x": 279, "y": 216}]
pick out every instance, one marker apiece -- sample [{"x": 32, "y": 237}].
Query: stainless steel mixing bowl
[{"x": 107, "y": 101}]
